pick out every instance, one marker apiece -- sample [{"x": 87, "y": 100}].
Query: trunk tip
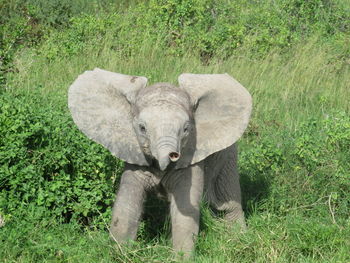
[{"x": 174, "y": 156}]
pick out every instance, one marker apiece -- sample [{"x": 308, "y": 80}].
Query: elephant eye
[
  {"x": 186, "y": 128},
  {"x": 142, "y": 128}
]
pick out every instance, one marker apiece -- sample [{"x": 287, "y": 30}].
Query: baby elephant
[{"x": 178, "y": 141}]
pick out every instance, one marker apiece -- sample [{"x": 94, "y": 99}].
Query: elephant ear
[
  {"x": 222, "y": 111},
  {"x": 100, "y": 103}
]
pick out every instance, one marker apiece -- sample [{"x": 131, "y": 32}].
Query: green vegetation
[{"x": 56, "y": 186}]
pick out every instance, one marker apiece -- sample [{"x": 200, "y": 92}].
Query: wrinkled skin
[{"x": 163, "y": 120}]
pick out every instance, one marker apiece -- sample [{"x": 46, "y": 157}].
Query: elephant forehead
[
  {"x": 164, "y": 113},
  {"x": 163, "y": 95}
]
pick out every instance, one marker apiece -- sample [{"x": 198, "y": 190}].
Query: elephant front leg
[
  {"x": 186, "y": 192},
  {"x": 128, "y": 206}
]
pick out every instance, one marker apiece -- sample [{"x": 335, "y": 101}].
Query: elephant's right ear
[{"x": 99, "y": 102}]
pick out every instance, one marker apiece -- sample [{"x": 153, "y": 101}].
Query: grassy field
[{"x": 294, "y": 157}]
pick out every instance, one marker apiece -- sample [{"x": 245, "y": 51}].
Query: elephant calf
[{"x": 177, "y": 140}]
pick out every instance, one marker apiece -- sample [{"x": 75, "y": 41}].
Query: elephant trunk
[{"x": 168, "y": 151}]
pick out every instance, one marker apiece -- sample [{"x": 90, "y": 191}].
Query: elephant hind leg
[{"x": 225, "y": 194}]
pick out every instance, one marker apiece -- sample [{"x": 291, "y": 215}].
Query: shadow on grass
[
  {"x": 255, "y": 188},
  {"x": 156, "y": 218}
]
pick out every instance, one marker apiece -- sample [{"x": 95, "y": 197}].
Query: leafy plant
[
  {"x": 47, "y": 163},
  {"x": 206, "y": 28}
]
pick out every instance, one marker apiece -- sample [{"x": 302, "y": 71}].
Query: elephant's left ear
[{"x": 223, "y": 108}]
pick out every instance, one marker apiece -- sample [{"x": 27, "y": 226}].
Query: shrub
[
  {"x": 306, "y": 166},
  {"x": 321, "y": 158},
  {"x": 222, "y": 28},
  {"x": 26, "y": 22},
  {"x": 204, "y": 27},
  {"x": 84, "y": 31},
  {"x": 48, "y": 164}
]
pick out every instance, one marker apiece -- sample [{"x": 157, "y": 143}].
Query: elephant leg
[
  {"x": 186, "y": 188},
  {"x": 128, "y": 205},
  {"x": 226, "y": 194}
]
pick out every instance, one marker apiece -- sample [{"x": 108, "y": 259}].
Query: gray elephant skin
[{"x": 177, "y": 141}]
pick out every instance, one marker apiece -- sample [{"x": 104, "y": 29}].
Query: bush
[
  {"x": 221, "y": 28},
  {"x": 46, "y": 163},
  {"x": 49, "y": 165},
  {"x": 85, "y": 31},
  {"x": 305, "y": 167},
  {"x": 204, "y": 27},
  {"x": 27, "y": 22}
]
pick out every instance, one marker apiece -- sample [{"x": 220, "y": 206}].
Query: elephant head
[{"x": 162, "y": 123}]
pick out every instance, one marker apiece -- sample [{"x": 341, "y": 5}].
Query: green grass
[
  {"x": 285, "y": 88},
  {"x": 270, "y": 238},
  {"x": 295, "y": 213},
  {"x": 294, "y": 157}
]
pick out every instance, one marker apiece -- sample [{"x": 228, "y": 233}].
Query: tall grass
[
  {"x": 294, "y": 157},
  {"x": 286, "y": 88},
  {"x": 290, "y": 218}
]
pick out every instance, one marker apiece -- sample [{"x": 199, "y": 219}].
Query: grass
[
  {"x": 270, "y": 238},
  {"x": 285, "y": 88},
  {"x": 297, "y": 211},
  {"x": 286, "y": 92}
]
